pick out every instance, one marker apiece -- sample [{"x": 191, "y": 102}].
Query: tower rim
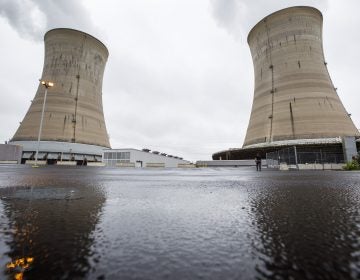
[
  {"x": 280, "y": 11},
  {"x": 77, "y": 31}
]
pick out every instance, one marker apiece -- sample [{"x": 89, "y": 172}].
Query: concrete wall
[
  {"x": 10, "y": 153},
  {"x": 349, "y": 148},
  {"x": 294, "y": 97},
  {"x": 60, "y": 147},
  {"x": 75, "y": 62},
  {"x": 311, "y": 166},
  {"x": 228, "y": 163}
]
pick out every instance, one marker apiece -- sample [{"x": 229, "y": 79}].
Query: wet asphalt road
[{"x": 102, "y": 223}]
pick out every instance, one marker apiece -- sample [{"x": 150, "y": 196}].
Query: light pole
[{"x": 46, "y": 84}]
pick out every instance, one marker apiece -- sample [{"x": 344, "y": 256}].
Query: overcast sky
[{"x": 179, "y": 77}]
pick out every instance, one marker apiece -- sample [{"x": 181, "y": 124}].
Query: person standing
[{"x": 258, "y": 162}]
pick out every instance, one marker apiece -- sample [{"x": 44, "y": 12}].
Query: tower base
[{"x": 53, "y": 151}]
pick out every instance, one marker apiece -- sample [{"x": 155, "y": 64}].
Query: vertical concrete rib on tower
[
  {"x": 294, "y": 97},
  {"x": 75, "y": 62}
]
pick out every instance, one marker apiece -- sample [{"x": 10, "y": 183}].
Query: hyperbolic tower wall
[
  {"x": 294, "y": 96},
  {"x": 75, "y": 62}
]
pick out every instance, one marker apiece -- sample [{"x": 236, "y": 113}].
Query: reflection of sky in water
[
  {"x": 189, "y": 228},
  {"x": 199, "y": 223}
]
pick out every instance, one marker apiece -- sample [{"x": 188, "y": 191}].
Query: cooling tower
[
  {"x": 294, "y": 97},
  {"x": 73, "y": 119},
  {"x": 295, "y": 103}
]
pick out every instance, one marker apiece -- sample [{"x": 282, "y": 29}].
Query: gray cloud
[
  {"x": 228, "y": 14},
  {"x": 239, "y": 16},
  {"x": 32, "y": 18}
]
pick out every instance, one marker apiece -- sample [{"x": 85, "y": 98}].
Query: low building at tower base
[
  {"x": 336, "y": 150},
  {"x": 54, "y": 152},
  {"x": 10, "y": 154},
  {"x": 142, "y": 158}
]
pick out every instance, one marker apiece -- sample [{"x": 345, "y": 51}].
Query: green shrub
[{"x": 352, "y": 165}]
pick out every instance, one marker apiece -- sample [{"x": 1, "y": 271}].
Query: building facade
[
  {"x": 10, "y": 154},
  {"x": 141, "y": 158}
]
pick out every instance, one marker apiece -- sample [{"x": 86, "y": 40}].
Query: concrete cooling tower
[
  {"x": 73, "y": 124},
  {"x": 294, "y": 96},
  {"x": 295, "y": 101}
]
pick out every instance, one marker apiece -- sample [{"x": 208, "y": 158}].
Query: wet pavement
[{"x": 103, "y": 223}]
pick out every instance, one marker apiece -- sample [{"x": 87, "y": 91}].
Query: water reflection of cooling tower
[
  {"x": 301, "y": 226},
  {"x": 73, "y": 120},
  {"x": 295, "y": 101},
  {"x": 52, "y": 229}
]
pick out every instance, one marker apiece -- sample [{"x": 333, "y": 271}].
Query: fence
[{"x": 293, "y": 156}]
